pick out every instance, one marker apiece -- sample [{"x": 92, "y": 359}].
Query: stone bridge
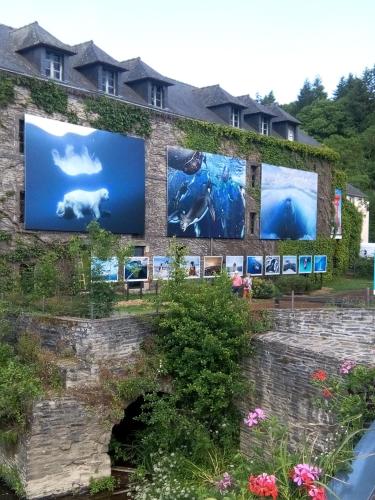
[{"x": 67, "y": 443}]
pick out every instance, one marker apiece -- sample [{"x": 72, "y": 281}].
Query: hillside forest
[{"x": 344, "y": 122}]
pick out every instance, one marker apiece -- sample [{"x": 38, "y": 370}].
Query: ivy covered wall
[{"x": 23, "y": 94}]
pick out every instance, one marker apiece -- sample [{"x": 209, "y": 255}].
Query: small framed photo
[
  {"x": 106, "y": 269},
  {"x": 254, "y": 265},
  {"x": 305, "y": 264},
  {"x": 161, "y": 267},
  {"x": 320, "y": 263},
  {"x": 234, "y": 263},
  {"x": 192, "y": 266},
  {"x": 272, "y": 265},
  {"x": 289, "y": 264},
  {"x": 136, "y": 269},
  {"x": 212, "y": 266}
]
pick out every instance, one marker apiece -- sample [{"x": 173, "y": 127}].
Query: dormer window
[
  {"x": 157, "y": 96},
  {"x": 108, "y": 82},
  {"x": 265, "y": 127},
  {"x": 53, "y": 65},
  {"x": 290, "y": 133},
  {"x": 235, "y": 117}
]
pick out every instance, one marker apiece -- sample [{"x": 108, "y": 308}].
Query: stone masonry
[{"x": 67, "y": 442}]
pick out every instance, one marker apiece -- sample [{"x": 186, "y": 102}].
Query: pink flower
[
  {"x": 347, "y": 366},
  {"x": 254, "y": 417},
  {"x": 305, "y": 474},
  {"x": 319, "y": 375},
  {"x": 327, "y": 393},
  {"x": 225, "y": 483},
  {"x": 263, "y": 485}
]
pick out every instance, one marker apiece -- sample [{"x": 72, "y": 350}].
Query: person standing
[
  {"x": 236, "y": 283},
  {"x": 247, "y": 286}
]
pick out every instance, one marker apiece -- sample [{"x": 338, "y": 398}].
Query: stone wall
[
  {"x": 301, "y": 342},
  {"x": 164, "y": 134}
]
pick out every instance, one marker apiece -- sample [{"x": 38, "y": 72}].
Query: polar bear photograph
[
  {"x": 80, "y": 203},
  {"x": 75, "y": 174}
]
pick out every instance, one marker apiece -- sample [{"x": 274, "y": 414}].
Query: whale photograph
[
  {"x": 75, "y": 174},
  {"x": 106, "y": 269},
  {"x": 254, "y": 265},
  {"x": 288, "y": 208},
  {"x": 289, "y": 264},
  {"x": 206, "y": 194},
  {"x": 272, "y": 265}
]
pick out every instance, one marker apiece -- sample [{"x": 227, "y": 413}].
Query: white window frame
[
  {"x": 265, "y": 127},
  {"x": 235, "y": 117},
  {"x": 109, "y": 81},
  {"x": 53, "y": 65},
  {"x": 291, "y": 133},
  {"x": 157, "y": 96}
]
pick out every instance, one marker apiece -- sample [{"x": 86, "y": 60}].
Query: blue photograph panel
[
  {"x": 75, "y": 174},
  {"x": 136, "y": 269},
  {"x": 320, "y": 264},
  {"x": 206, "y": 195},
  {"x": 255, "y": 265},
  {"x": 107, "y": 269},
  {"x": 305, "y": 264},
  {"x": 288, "y": 204}
]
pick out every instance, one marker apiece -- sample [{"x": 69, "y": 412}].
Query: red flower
[
  {"x": 317, "y": 493},
  {"x": 319, "y": 375},
  {"x": 327, "y": 393},
  {"x": 263, "y": 485}
]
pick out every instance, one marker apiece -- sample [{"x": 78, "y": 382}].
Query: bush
[
  {"x": 263, "y": 289},
  {"x": 108, "y": 483},
  {"x": 363, "y": 267},
  {"x": 286, "y": 284}
]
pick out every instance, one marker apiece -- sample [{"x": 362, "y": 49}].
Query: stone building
[{"x": 42, "y": 71}]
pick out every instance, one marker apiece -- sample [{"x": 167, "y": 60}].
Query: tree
[
  {"x": 324, "y": 118},
  {"x": 268, "y": 98}
]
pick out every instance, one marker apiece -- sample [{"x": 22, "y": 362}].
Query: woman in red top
[{"x": 236, "y": 283}]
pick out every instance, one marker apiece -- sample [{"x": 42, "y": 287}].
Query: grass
[{"x": 348, "y": 283}]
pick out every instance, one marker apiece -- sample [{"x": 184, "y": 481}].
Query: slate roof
[
  {"x": 183, "y": 99},
  {"x": 253, "y": 107},
  {"x": 355, "y": 192},
  {"x": 214, "y": 95},
  {"x": 88, "y": 54},
  {"x": 137, "y": 70},
  {"x": 282, "y": 115},
  {"x": 34, "y": 35}
]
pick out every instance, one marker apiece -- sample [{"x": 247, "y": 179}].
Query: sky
[{"x": 246, "y": 46}]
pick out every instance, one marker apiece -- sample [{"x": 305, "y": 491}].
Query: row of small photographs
[{"x": 137, "y": 268}]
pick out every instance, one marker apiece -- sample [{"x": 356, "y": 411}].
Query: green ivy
[
  {"x": 117, "y": 116},
  {"x": 6, "y": 91},
  {"x": 209, "y": 137}
]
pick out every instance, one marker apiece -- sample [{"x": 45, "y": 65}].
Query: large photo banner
[
  {"x": 337, "y": 215},
  {"x": 75, "y": 174},
  {"x": 206, "y": 195},
  {"x": 288, "y": 209}
]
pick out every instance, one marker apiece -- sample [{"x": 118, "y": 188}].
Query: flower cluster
[
  {"x": 304, "y": 475},
  {"x": 319, "y": 375},
  {"x": 225, "y": 483},
  {"x": 263, "y": 485},
  {"x": 347, "y": 366},
  {"x": 254, "y": 417}
]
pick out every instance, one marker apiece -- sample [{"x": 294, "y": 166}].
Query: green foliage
[
  {"x": 12, "y": 479},
  {"x": 209, "y": 137},
  {"x": 107, "y": 483},
  {"x": 116, "y": 116},
  {"x": 299, "y": 284},
  {"x": 6, "y": 91},
  {"x": 363, "y": 267},
  {"x": 47, "y": 96},
  {"x": 263, "y": 288},
  {"x": 46, "y": 275}
]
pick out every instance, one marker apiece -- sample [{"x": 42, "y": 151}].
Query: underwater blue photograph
[
  {"x": 288, "y": 207},
  {"x": 305, "y": 264},
  {"x": 107, "y": 269},
  {"x": 206, "y": 195},
  {"x": 136, "y": 269},
  {"x": 255, "y": 265},
  {"x": 75, "y": 174},
  {"x": 320, "y": 263}
]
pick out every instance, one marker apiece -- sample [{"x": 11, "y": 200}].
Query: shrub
[
  {"x": 363, "y": 267},
  {"x": 263, "y": 289},
  {"x": 288, "y": 283},
  {"x": 12, "y": 479},
  {"x": 108, "y": 483}
]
